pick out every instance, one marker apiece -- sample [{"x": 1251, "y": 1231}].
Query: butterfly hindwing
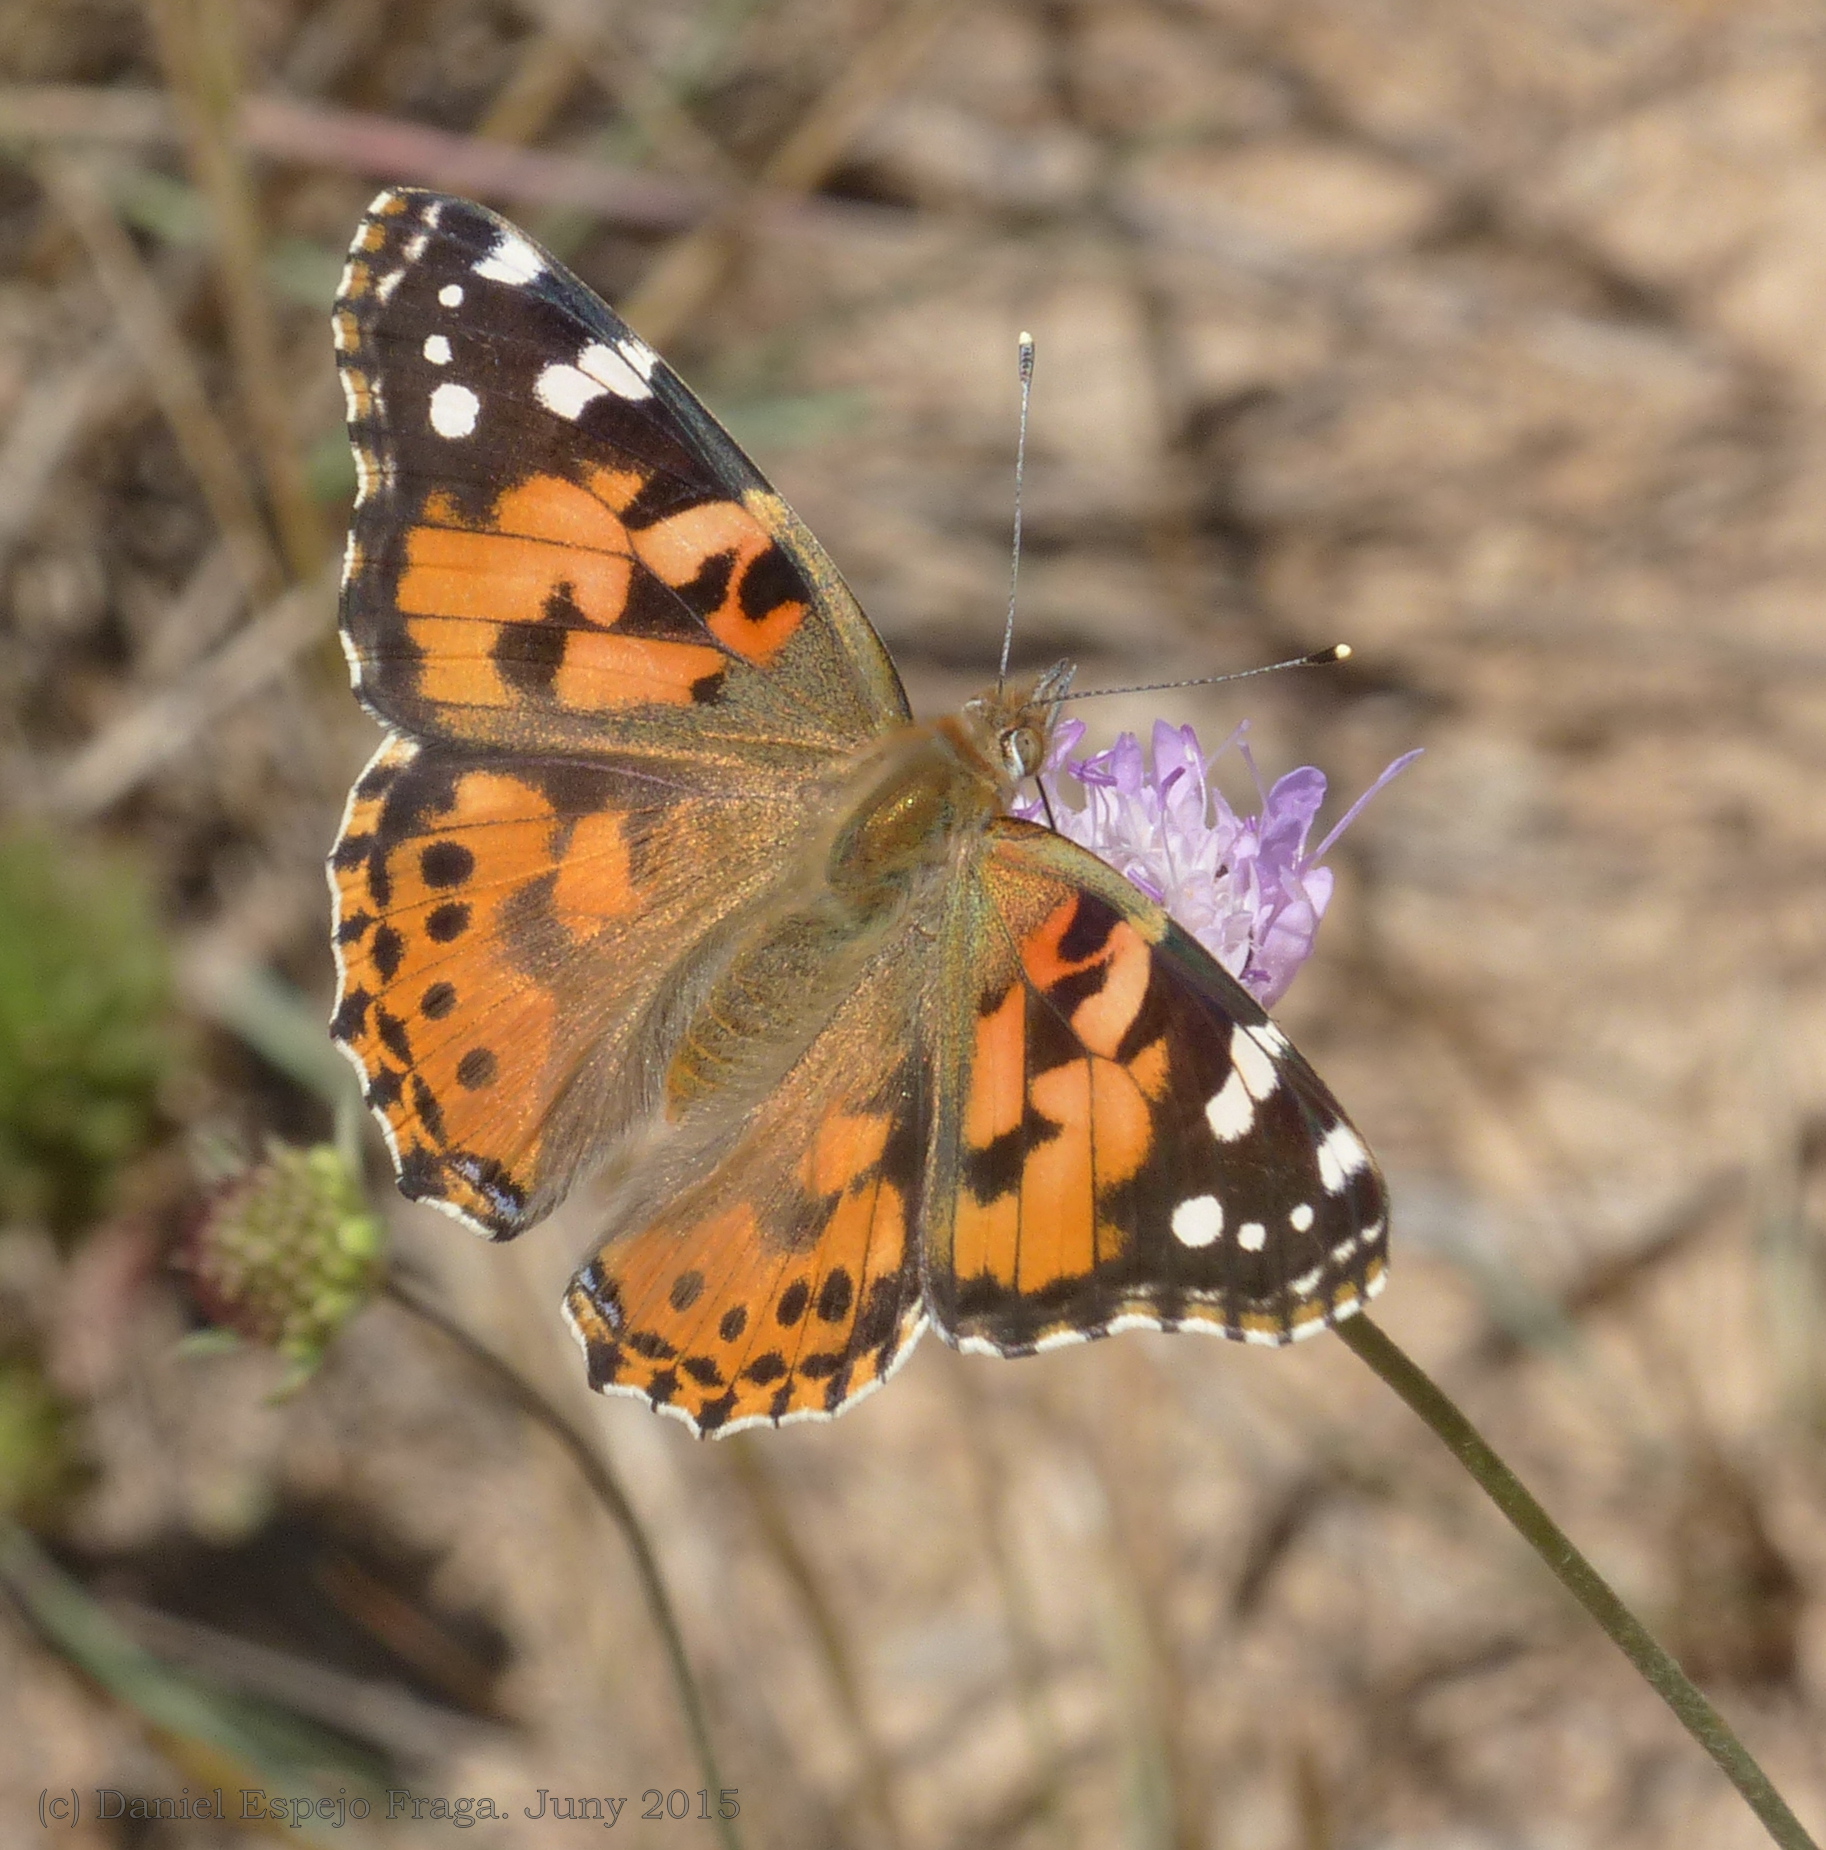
[
  {"x": 505, "y": 929},
  {"x": 779, "y": 1279},
  {"x": 1127, "y": 1140},
  {"x": 555, "y": 547}
]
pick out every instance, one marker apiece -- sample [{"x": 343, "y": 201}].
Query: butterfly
[{"x": 656, "y": 892}]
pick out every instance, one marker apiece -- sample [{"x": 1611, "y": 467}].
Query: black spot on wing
[
  {"x": 351, "y": 1014},
  {"x": 446, "y": 922},
  {"x": 529, "y": 655},
  {"x": 835, "y": 1295},
  {"x": 446, "y": 864},
  {"x": 1089, "y": 930},
  {"x": 393, "y": 1036},
  {"x": 769, "y": 582}
]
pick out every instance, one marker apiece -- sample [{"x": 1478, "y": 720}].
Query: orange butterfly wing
[
  {"x": 769, "y": 1269},
  {"x": 507, "y": 929},
  {"x": 1125, "y": 1139}
]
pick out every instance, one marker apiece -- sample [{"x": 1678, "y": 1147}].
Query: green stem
[
  {"x": 1578, "y": 1576},
  {"x": 607, "y": 1490}
]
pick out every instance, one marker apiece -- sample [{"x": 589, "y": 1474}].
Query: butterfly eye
[{"x": 1023, "y": 751}]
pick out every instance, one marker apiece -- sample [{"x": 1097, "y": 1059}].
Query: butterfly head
[{"x": 1012, "y": 726}]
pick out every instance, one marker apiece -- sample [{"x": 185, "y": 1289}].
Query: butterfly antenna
[
  {"x": 1323, "y": 658},
  {"x": 1020, "y": 470}
]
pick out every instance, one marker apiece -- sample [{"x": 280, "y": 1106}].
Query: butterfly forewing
[
  {"x": 555, "y": 547},
  {"x": 1126, "y": 1139}
]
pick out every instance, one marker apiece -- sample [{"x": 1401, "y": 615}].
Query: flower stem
[
  {"x": 608, "y": 1492},
  {"x": 1703, "y": 1722}
]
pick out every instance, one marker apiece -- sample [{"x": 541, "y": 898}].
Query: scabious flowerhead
[
  {"x": 287, "y": 1252},
  {"x": 1247, "y": 887}
]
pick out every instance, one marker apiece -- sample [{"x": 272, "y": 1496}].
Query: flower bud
[{"x": 287, "y": 1253}]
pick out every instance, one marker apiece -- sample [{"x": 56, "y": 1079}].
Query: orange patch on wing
[
  {"x": 1106, "y": 1133},
  {"x": 998, "y": 1083},
  {"x": 616, "y": 488},
  {"x": 1103, "y": 1019},
  {"x": 1058, "y": 1209},
  {"x": 551, "y": 507},
  {"x": 595, "y": 878},
  {"x": 845, "y": 1146},
  {"x": 603, "y": 671},
  {"x": 984, "y": 1237},
  {"x": 678, "y": 548},
  {"x": 1149, "y": 1069},
  {"x": 507, "y": 578}
]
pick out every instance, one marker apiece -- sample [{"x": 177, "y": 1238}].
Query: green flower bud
[{"x": 287, "y": 1253}]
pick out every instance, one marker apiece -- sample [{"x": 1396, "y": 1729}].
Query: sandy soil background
[{"x": 1491, "y": 338}]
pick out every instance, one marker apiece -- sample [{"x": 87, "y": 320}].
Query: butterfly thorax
[{"x": 887, "y": 822}]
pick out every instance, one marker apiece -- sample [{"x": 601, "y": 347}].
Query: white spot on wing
[
  {"x": 1341, "y": 1156},
  {"x": 565, "y": 390},
  {"x": 639, "y": 356},
  {"x": 1301, "y": 1218},
  {"x": 451, "y": 295},
  {"x": 1307, "y": 1282},
  {"x": 1254, "y": 1063},
  {"x": 1252, "y": 1236},
  {"x": 1199, "y": 1221},
  {"x": 415, "y": 247},
  {"x": 1231, "y": 1112},
  {"x": 391, "y": 281},
  {"x": 612, "y": 369},
  {"x": 453, "y": 410},
  {"x": 1270, "y": 1036},
  {"x": 512, "y": 260},
  {"x": 354, "y": 662},
  {"x": 437, "y": 350}
]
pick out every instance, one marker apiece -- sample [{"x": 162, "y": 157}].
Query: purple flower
[{"x": 1246, "y": 887}]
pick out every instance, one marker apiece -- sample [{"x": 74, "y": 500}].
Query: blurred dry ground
[{"x": 1491, "y": 338}]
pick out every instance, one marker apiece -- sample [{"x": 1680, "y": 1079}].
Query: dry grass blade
[
  {"x": 405, "y": 1724},
  {"x": 54, "y": 417},
  {"x": 198, "y": 43},
  {"x": 688, "y": 274},
  {"x": 154, "y": 732},
  {"x": 546, "y": 73},
  {"x": 774, "y": 1521},
  {"x": 171, "y": 375},
  {"x": 382, "y": 147}
]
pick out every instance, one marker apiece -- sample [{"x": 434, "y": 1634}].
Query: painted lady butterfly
[{"x": 655, "y": 882}]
